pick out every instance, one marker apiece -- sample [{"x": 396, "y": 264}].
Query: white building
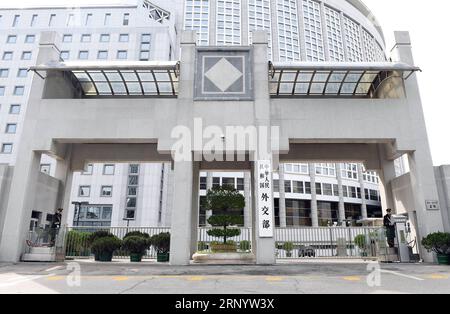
[{"x": 321, "y": 76}]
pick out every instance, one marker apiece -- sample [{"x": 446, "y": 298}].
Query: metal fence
[
  {"x": 329, "y": 242},
  {"x": 205, "y": 240},
  {"x": 76, "y": 240}
]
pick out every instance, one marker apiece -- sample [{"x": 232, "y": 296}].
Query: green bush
[
  {"x": 288, "y": 247},
  {"x": 107, "y": 245},
  {"x": 77, "y": 243},
  {"x": 202, "y": 246},
  {"x": 438, "y": 242},
  {"x": 360, "y": 241},
  {"x": 136, "y": 244},
  {"x": 245, "y": 246},
  {"x": 161, "y": 242},
  {"x": 98, "y": 235},
  {"x": 137, "y": 234}
]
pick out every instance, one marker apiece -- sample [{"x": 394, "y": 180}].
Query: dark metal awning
[
  {"x": 333, "y": 79},
  {"x": 120, "y": 79}
]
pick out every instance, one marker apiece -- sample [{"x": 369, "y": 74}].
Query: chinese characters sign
[{"x": 265, "y": 199}]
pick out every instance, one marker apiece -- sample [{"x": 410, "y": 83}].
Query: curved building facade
[{"x": 299, "y": 30}]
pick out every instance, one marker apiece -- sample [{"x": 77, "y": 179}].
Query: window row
[
  {"x": 70, "y": 20},
  {"x": 17, "y": 91},
  {"x": 9, "y": 55},
  {"x": 93, "y": 216},
  {"x": 29, "y": 39},
  {"x": 21, "y": 73},
  {"x": 101, "y": 55},
  {"x": 236, "y": 183},
  {"x": 108, "y": 170},
  {"x": 103, "y": 38},
  {"x": 85, "y": 190}
]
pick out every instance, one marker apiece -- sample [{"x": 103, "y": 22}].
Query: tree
[{"x": 225, "y": 202}]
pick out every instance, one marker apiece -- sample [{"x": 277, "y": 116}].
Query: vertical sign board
[{"x": 265, "y": 199}]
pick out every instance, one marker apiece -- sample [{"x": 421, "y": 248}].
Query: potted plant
[
  {"x": 226, "y": 204},
  {"x": 245, "y": 246},
  {"x": 103, "y": 248},
  {"x": 161, "y": 243},
  {"x": 360, "y": 241},
  {"x": 288, "y": 247},
  {"x": 136, "y": 246},
  {"x": 438, "y": 243}
]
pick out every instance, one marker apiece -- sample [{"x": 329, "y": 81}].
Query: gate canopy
[
  {"x": 333, "y": 79},
  {"x": 109, "y": 79}
]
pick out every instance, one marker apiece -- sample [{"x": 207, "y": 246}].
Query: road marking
[
  {"x": 438, "y": 276},
  {"x": 401, "y": 275},
  {"x": 195, "y": 278},
  {"x": 120, "y": 278},
  {"x": 55, "y": 278},
  {"x": 352, "y": 278},
  {"x": 53, "y": 269},
  {"x": 274, "y": 278},
  {"x": 18, "y": 280}
]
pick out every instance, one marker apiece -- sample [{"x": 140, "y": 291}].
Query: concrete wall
[
  {"x": 443, "y": 183},
  {"x": 48, "y": 189},
  {"x": 5, "y": 181}
]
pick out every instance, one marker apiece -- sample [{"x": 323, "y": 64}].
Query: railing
[
  {"x": 329, "y": 242},
  {"x": 205, "y": 240},
  {"x": 76, "y": 240}
]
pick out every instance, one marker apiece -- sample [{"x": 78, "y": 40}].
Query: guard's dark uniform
[{"x": 390, "y": 230}]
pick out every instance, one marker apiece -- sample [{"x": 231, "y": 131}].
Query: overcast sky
[{"x": 428, "y": 22}]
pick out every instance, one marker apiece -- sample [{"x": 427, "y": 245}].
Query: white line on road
[
  {"x": 53, "y": 269},
  {"x": 21, "y": 279},
  {"x": 401, "y": 275}
]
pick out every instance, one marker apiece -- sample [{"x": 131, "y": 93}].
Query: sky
[{"x": 428, "y": 23}]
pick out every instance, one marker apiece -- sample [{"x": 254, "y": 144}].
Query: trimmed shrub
[
  {"x": 105, "y": 246},
  {"x": 438, "y": 242},
  {"x": 245, "y": 246},
  {"x": 161, "y": 242},
  {"x": 137, "y": 234},
  {"x": 136, "y": 244}
]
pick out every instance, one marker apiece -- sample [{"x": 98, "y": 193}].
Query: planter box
[
  {"x": 162, "y": 257},
  {"x": 135, "y": 258},
  {"x": 104, "y": 257},
  {"x": 224, "y": 258},
  {"x": 443, "y": 259},
  {"x": 223, "y": 248}
]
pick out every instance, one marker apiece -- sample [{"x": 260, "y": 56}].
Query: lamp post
[{"x": 78, "y": 209}]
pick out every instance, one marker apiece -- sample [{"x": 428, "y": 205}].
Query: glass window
[
  {"x": 65, "y": 55},
  {"x": 19, "y": 90},
  {"x": 126, "y": 19},
  {"x": 298, "y": 187},
  {"x": 108, "y": 170},
  {"x": 67, "y": 38},
  {"x": 7, "y": 148},
  {"x": 34, "y": 20},
  {"x": 2, "y": 90},
  {"x": 16, "y": 20},
  {"x": 318, "y": 188},
  {"x": 133, "y": 169},
  {"x": 240, "y": 184},
  {"x": 259, "y": 18},
  {"x": 132, "y": 191},
  {"x": 106, "y": 191},
  {"x": 197, "y": 18},
  {"x": 326, "y": 170},
  {"x": 70, "y": 20},
  {"x": 288, "y": 37},
  {"x": 131, "y": 202},
  {"x": 12, "y": 39},
  {"x": 107, "y": 19},
  {"x": 216, "y": 182},
  {"x": 276, "y": 186},
  {"x": 26, "y": 55},
  {"x": 14, "y": 109},
  {"x": 84, "y": 191},
  {"x": 88, "y": 19},
  {"x": 30, "y": 39},
  {"x": 287, "y": 186},
  {"x": 353, "y": 40},
  {"x": 122, "y": 55},
  {"x": 228, "y": 182},
  {"x": 102, "y": 55},
  {"x": 133, "y": 180},
  {"x": 22, "y": 73},
  {"x": 334, "y": 34},
  {"x": 203, "y": 184},
  {"x": 105, "y": 38},
  {"x": 11, "y": 128},
  {"x": 89, "y": 170},
  {"x": 350, "y": 171},
  {"x": 327, "y": 189},
  {"x": 7, "y": 56},
  {"x": 124, "y": 38},
  {"x": 51, "y": 20},
  {"x": 4, "y": 73},
  {"x": 307, "y": 187},
  {"x": 130, "y": 214},
  {"x": 228, "y": 22},
  {"x": 312, "y": 21},
  {"x": 86, "y": 38},
  {"x": 83, "y": 55}
]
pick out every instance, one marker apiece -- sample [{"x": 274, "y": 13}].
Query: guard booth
[{"x": 291, "y": 112}]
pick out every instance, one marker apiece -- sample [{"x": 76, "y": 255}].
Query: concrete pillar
[
  {"x": 20, "y": 205},
  {"x": 248, "y": 200},
  {"x": 386, "y": 175},
  {"x": 363, "y": 193},
  {"x": 209, "y": 185},
  {"x": 181, "y": 229},
  {"x": 195, "y": 206},
  {"x": 423, "y": 179},
  {"x": 282, "y": 202},
  {"x": 341, "y": 205},
  {"x": 314, "y": 209},
  {"x": 264, "y": 247}
]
